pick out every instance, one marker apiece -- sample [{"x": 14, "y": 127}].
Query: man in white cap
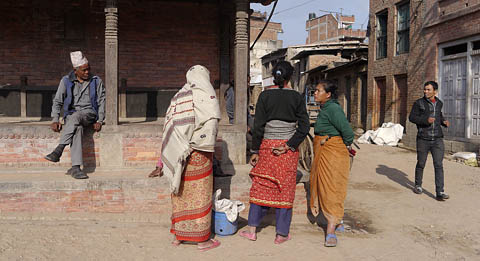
[{"x": 82, "y": 97}]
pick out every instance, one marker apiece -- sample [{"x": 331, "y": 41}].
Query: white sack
[
  {"x": 231, "y": 208},
  {"x": 389, "y": 134},
  {"x": 464, "y": 155}
]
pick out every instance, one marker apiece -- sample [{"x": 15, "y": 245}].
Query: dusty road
[{"x": 387, "y": 220}]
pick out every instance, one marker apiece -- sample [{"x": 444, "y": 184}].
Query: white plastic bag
[
  {"x": 464, "y": 155},
  {"x": 231, "y": 208}
]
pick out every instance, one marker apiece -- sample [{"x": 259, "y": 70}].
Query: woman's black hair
[
  {"x": 282, "y": 72},
  {"x": 329, "y": 86}
]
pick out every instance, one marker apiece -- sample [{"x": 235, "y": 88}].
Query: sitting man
[{"x": 83, "y": 99}]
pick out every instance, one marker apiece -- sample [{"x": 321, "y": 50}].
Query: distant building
[
  {"x": 267, "y": 43},
  {"x": 344, "y": 62},
  {"x": 412, "y": 42},
  {"x": 332, "y": 28}
]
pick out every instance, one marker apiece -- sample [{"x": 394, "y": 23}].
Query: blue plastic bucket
[{"x": 222, "y": 226}]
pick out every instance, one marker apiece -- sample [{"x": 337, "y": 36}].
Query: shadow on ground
[{"x": 399, "y": 177}]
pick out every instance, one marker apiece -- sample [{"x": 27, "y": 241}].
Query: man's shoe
[
  {"x": 77, "y": 173},
  {"x": 53, "y": 157},
  {"x": 69, "y": 171},
  {"x": 418, "y": 190},
  {"x": 442, "y": 196}
]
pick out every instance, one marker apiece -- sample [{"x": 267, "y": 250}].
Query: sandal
[
  {"x": 340, "y": 228},
  {"x": 329, "y": 244},
  {"x": 281, "y": 239},
  {"x": 248, "y": 235},
  {"x": 215, "y": 243}
]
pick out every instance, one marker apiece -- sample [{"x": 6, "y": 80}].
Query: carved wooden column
[
  {"x": 241, "y": 62},
  {"x": 111, "y": 62},
  {"x": 225, "y": 34}
]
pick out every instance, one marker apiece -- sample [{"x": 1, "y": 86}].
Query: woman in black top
[{"x": 281, "y": 124}]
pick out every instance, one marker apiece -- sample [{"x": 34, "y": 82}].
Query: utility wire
[{"x": 293, "y": 7}]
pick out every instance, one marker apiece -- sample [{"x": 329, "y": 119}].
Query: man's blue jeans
[{"x": 437, "y": 148}]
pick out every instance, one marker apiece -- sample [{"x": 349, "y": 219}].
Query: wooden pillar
[
  {"x": 23, "y": 96},
  {"x": 111, "y": 62},
  {"x": 241, "y": 54},
  {"x": 225, "y": 23},
  {"x": 122, "y": 105}
]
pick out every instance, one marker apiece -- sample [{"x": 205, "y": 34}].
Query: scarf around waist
[{"x": 279, "y": 130}]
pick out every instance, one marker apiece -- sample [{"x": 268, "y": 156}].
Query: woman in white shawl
[{"x": 189, "y": 136}]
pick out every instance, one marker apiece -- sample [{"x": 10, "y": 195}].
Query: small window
[
  {"x": 381, "y": 31},
  {"x": 461, "y": 48},
  {"x": 476, "y": 45},
  {"x": 403, "y": 28}
]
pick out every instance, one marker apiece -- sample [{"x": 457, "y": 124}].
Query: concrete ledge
[
  {"x": 109, "y": 192},
  {"x": 23, "y": 145}
]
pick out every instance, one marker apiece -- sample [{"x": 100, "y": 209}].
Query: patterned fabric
[
  {"x": 329, "y": 177},
  {"x": 191, "y": 123},
  {"x": 192, "y": 206},
  {"x": 274, "y": 177}
]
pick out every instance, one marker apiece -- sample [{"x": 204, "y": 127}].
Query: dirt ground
[{"x": 385, "y": 221}]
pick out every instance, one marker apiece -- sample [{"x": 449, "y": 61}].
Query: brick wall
[
  {"x": 447, "y": 7},
  {"x": 412, "y": 63},
  {"x": 431, "y": 23},
  {"x": 138, "y": 196},
  {"x": 29, "y": 149},
  {"x": 270, "y": 33},
  {"x": 158, "y": 40},
  {"x": 27, "y": 146}
]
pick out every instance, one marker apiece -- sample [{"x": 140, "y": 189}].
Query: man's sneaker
[
  {"x": 77, "y": 173},
  {"x": 442, "y": 196},
  {"x": 53, "y": 157},
  {"x": 418, "y": 190}
]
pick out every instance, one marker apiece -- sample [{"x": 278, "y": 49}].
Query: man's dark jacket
[{"x": 423, "y": 109}]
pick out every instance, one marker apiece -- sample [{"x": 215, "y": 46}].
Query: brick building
[
  {"x": 415, "y": 41},
  {"x": 342, "y": 61},
  {"x": 141, "y": 50},
  {"x": 332, "y": 28},
  {"x": 268, "y": 42}
]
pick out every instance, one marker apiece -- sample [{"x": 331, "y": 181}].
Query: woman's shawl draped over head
[{"x": 191, "y": 123}]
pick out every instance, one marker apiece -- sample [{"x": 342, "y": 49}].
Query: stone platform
[{"x": 128, "y": 191}]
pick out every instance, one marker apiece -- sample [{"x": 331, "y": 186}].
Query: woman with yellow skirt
[{"x": 331, "y": 165}]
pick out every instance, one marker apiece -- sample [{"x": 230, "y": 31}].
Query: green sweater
[{"x": 331, "y": 121}]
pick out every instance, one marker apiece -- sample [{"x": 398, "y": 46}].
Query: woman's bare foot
[
  {"x": 281, "y": 239},
  {"x": 157, "y": 172},
  {"x": 207, "y": 245},
  {"x": 175, "y": 241}
]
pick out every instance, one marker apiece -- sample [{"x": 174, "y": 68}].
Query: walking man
[
  {"x": 427, "y": 115},
  {"x": 83, "y": 99}
]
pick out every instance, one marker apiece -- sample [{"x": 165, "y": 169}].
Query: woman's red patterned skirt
[{"x": 274, "y": 177}]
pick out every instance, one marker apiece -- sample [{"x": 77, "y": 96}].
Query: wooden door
[
  {"x": 401, "y": 90},
  {"x": 453, "y": 94},
  {"x": 380, "y": 101}
]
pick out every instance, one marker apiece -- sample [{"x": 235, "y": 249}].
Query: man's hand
[
  {"x": 97, "y": 126},
  {"x": 56, "y": 126},
  {"x": 446, "y": 123},
  {"x": 254, "y": 159},
  {"x": 431, "y": 120}
]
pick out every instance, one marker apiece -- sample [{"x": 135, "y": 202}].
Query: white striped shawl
[{"x": 191, "y": 123}]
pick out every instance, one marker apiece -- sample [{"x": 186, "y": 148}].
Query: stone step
[{"x": 127, "y": 191}]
